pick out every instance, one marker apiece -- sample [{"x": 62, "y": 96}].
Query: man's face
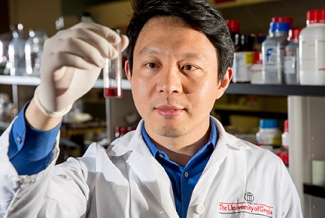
[{"x": 174, "y": 80}]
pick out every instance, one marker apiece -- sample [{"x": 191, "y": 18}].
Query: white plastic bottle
[
  {"x": 273, "y": 52},
  {"x": 312, "y": 49},
  {"x": 269, "y": 135}
]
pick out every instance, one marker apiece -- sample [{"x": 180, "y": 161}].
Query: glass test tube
[{"x": 112, "y": 74}]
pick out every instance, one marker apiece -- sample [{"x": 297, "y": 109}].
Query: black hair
[{"x": 198, "y": 14}]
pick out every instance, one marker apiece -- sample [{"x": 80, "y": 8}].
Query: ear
[
  {"x": 224, "y": 83},
  {"x": 128, "y": 70}
]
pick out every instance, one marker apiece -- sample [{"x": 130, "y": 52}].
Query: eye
[
  {"x": 151, "y": 65},
  {"x": 189, "y": 67}
]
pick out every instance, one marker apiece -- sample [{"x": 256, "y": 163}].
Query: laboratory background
[{"x": 276, "y": 99}]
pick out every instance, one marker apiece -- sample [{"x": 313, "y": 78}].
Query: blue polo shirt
[
  {"x": 184, "y": 179},
  {"x": 30, "y": 150}
]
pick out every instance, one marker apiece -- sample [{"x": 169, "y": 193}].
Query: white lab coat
[{"x": 240, "y": 180}]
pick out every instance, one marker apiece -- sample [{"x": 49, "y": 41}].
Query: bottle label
[
  {"x": 242, "y": 64},
  {"x": 289, "y": 62},
  {"x": 257, "y": 74},
  {"x": 270, "y": 61},
  {"x": 269, "y": 140},
  {"x": 312, "y": 56}
]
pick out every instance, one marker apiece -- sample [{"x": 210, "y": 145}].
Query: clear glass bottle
[
  {"x": 5, "y": 39},
  {"x": 16, "y": 52},
  {"x": 34, "y": 51}
]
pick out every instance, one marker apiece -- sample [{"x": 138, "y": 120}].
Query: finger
[
  {"x": 105, "y": 47},
  {"x": 109, "y": 34},
  {"x": 66, "y": 60},
  {"x": 124, "y": 42},
  {"x": 86, "y": 51}
]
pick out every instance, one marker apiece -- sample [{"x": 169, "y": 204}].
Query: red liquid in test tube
[
  {"x": 111, "y": 92},
  {"x": 112, "y": 75}
]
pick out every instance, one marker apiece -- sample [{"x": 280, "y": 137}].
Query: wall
[
  {"x": 76, "y": 7},
  {"x": 35, "y": 14},
  {"x": 113, "y": 14}
]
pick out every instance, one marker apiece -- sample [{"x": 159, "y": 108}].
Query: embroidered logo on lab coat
[
  {"x": 247, "y": 206},
  {"x": 249, "y": 197}
]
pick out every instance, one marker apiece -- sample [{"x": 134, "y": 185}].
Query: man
[{"x": 179, "y": 162}]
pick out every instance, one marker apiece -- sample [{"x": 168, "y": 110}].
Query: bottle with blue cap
[
  {"x": 269, "y": 135},
  {"x": 273, "y": 53}
]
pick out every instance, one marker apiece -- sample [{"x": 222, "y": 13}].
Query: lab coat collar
[
  {"x": 126, "y": 143},
  {"x": 131, "y": 140},
  {"x": 154, "y": 177}
]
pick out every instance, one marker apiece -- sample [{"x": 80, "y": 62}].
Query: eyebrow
[{"x": 149, "y": 51}]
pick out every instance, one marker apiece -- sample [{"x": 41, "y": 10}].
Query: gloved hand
[{"x": 71, "y": 63}]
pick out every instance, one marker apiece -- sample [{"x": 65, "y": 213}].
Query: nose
[{"x": 169, "y": 81}]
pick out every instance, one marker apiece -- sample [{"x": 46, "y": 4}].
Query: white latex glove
[{"x": 71, "y": 63}]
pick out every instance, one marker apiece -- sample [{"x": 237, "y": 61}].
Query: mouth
[{"x": 169, "y": 111}]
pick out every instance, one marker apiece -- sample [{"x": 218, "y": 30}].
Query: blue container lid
[
  {"x": 280, "y": 27},
  {"x": 269, "y": 124}
]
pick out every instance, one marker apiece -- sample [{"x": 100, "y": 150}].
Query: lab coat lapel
[
  {"x": 226, "y": 148},
  {"x": 153, "y": 176},
  {"x": 211, "y": 173}
]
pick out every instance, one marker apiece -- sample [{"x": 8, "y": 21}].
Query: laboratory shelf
[
  {"x": 35, "y": 81},
  {"x": 277, "y": 90},
  {"x": 19, "y": 80},
  {"x": 234, "y": 88},
  {"x": 4, "y": 125},
  {"x": 314, "y": 190}
]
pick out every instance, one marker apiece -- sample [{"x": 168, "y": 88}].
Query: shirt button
[
  {"x": 186, "y": 174},
  {"x": 199, "y": 209},
  {"x": 161, "y": 155},
  {"x": 18, "y": 139}
]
